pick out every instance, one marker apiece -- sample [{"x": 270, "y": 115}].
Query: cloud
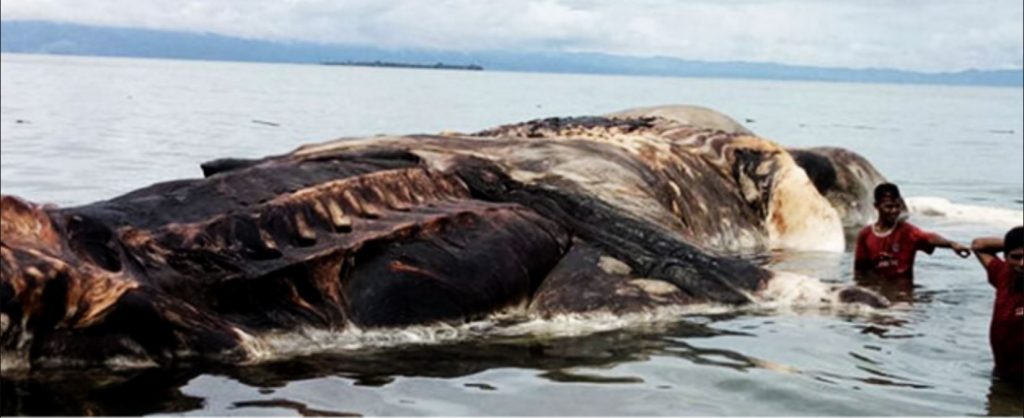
[{"x": 923, "y": 35}]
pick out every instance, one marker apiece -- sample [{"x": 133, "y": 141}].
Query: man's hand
[
  {"x": 986, "y": 249},
  {"x": 960, "y": 250}
]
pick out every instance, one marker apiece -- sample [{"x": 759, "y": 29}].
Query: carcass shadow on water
[
  {"x": 159, "y": 390},
  {"x": 99, "y": 393}
]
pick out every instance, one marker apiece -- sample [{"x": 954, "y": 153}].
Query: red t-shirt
[
  {"x": 892, "y": 255},
  {"x": 1006, "y": 334}
]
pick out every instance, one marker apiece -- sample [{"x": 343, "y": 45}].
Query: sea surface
[{"x": 79, "y": 129}]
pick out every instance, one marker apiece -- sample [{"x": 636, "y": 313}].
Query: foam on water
[
  {"x": 791, "y": 290},
  {"x": 512, "y": 323},
  {"x": 938, "y": 207},
  {"x": 786, "y": 290},
  {"x": 11, "y": 360}
]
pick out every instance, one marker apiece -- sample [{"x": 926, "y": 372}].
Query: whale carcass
[{"x": 615, "y": 213}]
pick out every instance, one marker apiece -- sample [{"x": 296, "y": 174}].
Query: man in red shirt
[
  {"x": 886, "y": 249},
  {"x": 1006, "y": 334}
]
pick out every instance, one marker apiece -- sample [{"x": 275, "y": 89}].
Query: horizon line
[{"x": 287, "y": 42}]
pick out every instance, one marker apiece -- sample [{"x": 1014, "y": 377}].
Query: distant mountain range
[{"x": 40, "y": 37}]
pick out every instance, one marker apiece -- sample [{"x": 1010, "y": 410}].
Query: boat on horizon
[{"x": 386, "y": 64}]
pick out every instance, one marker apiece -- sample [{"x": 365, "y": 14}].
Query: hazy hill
[{"x": 73, "y": 39}]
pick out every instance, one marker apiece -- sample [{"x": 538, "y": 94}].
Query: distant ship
[{"x": 436, "y": 66}]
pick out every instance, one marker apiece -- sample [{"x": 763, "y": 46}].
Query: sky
[{"x": 915, "y": 35}]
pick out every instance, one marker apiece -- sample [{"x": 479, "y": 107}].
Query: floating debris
[{"x": 264, "y": 122}]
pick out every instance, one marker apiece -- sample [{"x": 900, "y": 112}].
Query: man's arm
[
  {"x": 986, "y": 248},
  {"x": 941, "y": 242},
  {"x": 862, "y": 265}
]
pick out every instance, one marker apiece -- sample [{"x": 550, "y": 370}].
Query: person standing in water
[
  {"x": 1006, "y": 332},
  {"x": 887, "y": 248}
]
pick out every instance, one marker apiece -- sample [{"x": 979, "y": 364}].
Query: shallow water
[{"x": 75, "y": 130}]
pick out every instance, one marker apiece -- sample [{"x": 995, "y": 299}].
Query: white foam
[
  {"x": 786, "y": 290},
  {"x": 790, "y": 290},
  {"x": 11, "y": 360},
  {"x": 796, "y": 289},
  {"x": 306, "y": 341},
  {"x": 942, "y": 208}
]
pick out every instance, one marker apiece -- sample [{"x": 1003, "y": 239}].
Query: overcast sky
[{"x": 921, "y": 35}]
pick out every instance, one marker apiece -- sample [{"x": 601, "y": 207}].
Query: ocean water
[{"x": 79, "y": 129}]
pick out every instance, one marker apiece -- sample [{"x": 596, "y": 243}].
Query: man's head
[
  {"x": 888, "y": 203},
  {"x": 1013, "y": 248}
]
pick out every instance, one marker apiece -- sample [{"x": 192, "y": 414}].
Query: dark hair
[
  {"x": 1013, "y": 239},
  {"x": 887, "y": 189}
]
